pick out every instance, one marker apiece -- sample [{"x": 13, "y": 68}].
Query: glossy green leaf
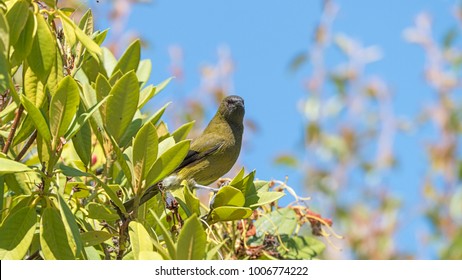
[
  {"x": 122, "y": 105},
  {"x": 101, "y": 212},
  {"x": 63, "y": 107},
  {"x": 102, "y": 89},
  {"x": 72, "y": 229},
  {"x": 171, "y": 248},
  {"x": 33, "y": 87},
  {"x": 82, "y": 141},
  {"x": 144, "y": 70},
  {"x": 37, "y": 117},
  {"x": 168, "y": 162},
  {"x": 228, "y": 196},
  {"x": 56, "y": 74},
  {"x": 191, "y": 201},
  {"x": 92, "y": 238},
  {"x": 43, "y": 53},
  {"x": 16, "y": 19},
  {"x": 77, "y": 189},
  {"x": 22, "y": 182},
  {"x": 300, "y": 247},
  {"x": 262, "y": 198},
  {"x": 139, "y": 239},
  {"x": 130, "y": 59},
  {"x": 4, "y": 35},
  {"x": 191, "y": 240},
  {"x": 53, "y": 237},
  {"x": 4, "y": 74},
  {"x": 10, "y": 166},
  {"x": 93, "y": 48},
  {"x": 229, "y": 213},
  {"x": 245, "y": 185},
  {"x": 182, "y": 132},
  {"x": 144, "y": 150},
  {"x": 69, "y": 33},
  {"x": 23, "y": 45},
  {"x": 282, "y": 221},
  {"x": 157, "y": 115},
  {"x": 16, "y": 233},
  {"x": 109, "y": 189}
]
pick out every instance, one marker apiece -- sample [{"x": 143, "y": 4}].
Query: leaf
[
  {"x": 122, "y": 105},
  {"x": 191, "y": 240},
  {"x": 72, "y": 229},
  {"x": 4, "y": 36},
  {"x": 103, "y": 88},
  {"x": 77, "y": 189},
  {"x": 191, "y": 201},
  {"x": 4, "y": 74},
  {"x": 149, "y": 92},
  {"x": 39, "y": 121},
  {"x": 17, "y": 232},
  {"x": 90, "y": 45},
  {"x": 69, "y": 33},
  {"x": 140, "y": 239},
  {"x": 11, "y": 166},
  {"x": 23, "y": 45},
  {"x": 157, "y": 115},
  {"x": 56, "y": 75},
  {"x": 245, "y": 185},
  {"x": 63, "y": 107},
  {"x": 130, "y": 59},
  {"x": 53, "y": 237},
  {"x": 101, "y": 212},
  {"x": 168, "y": 162},
  {"x": 279, "y": 222},
  {"x": 82, "y": 141},
  {"x": 144, "y": 70},
  {"x": 144, "y": 150},
  {"x": 171, "y": 248},
  {"x": 16, "y": 19},
  {"x": 33, "y": 87},
  {"x": 182, "y": 132},
  {"x": 300, "y": 247},
  {"x": 43, "y": 53},
  {"x": 229, "y": 213},
  {"x": 228, "y": 196},
  {"x": 92, "y": 238},
  {"x": 262, "y": 198}
]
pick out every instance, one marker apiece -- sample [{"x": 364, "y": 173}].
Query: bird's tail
[{"x": 148, "y": 194}]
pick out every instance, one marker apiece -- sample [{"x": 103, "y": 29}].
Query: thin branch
[
  {"x": 26, "y": 147},
  {"x": 14, "y": 126}
]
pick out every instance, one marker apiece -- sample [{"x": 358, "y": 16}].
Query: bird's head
[{"x": 232, "y": 109}]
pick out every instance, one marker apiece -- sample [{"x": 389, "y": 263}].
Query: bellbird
[{"x": 211, "y": 155}]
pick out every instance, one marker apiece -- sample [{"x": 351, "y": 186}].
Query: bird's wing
[{"x": 199, "y": 152}]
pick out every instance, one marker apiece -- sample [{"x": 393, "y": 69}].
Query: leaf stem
[{"x": 14, "y": 126}]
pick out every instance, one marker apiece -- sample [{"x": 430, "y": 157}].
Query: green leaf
[
  {"x": 77, "y": 189},
  {"x": 11, "y": 166},
  {"x": 37, "y": 117},
  {"x": 33, "y": 88},
  {"x": 279, "y": 222},
  {"x": 144, "y": 150},
  {"x": 130, "y": 59},
  {"x": 229, "y": 213},
  {"x": 63, "y": 107},
  {"x": 72, "y": 229},
  {"x": 140, "y": 239},
  {"x": 300, "y": 247},
  {"x": 191, "y": 201},
  {"x": 168, "y": 162},
  {"x": 245, "y": 185},
  {"x": 22, "y": 182},
  {"x": 17, "y": 232},
  {"x": 4, "y": 36},
  {"x": 191, "y": 240},
  {"x": 103, "y": 88},
  {"x": 4, "y": 74},
  {"x": 53, "y": 237},
  {"x": 93, "y": 48},
  {"x": 228, "y": 196},
  {"x": 69, "y": 33},
  {"x": 23, "y": 45},
  {"x": 262, "y": 198},
  {"x": 82, "y": 141},
  {"x": 122, "y": 105},
  {"x": 157, "y": 115},
  {"x": 16, "y": 19},
  {"x": 43, "y": 53},
  {"x": 144, "y": 70},
  {"x": 171, "y": 248},
  {"x": 182, "y": 132},
  {"x": 56, "y": 74},
  {"x": 113, "y": 196},
  {"x": 150, "y": 91},
  {"x": 101, "y": 212},
  {"x": 92, "y": 238}
]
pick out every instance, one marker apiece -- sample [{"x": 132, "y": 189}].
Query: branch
[
  {"x": 26, "y": 147},
  {"x": 13, "y": 129}
]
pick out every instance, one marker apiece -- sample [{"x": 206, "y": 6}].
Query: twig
[
  {"x": 26, "y": 147},
  {"x": 14, "y": 126}
]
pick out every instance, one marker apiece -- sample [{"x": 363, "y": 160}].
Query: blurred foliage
[{"x": 75, "y": 145}]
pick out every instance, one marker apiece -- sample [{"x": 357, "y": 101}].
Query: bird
[{"x": 211, "y": 155}]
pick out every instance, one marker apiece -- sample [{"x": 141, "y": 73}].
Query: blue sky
[{"x": 263, "y": 37}]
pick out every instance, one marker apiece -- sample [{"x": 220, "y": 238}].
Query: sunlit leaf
[{"x": 192, "y": 240}]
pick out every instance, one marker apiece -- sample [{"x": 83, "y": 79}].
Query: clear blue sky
[{"x": 263, "y": 37}]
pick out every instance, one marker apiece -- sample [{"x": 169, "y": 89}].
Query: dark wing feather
[{"x": 194, "y": 156}]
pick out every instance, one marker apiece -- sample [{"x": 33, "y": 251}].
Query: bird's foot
[{"x": 197, "y": 186}]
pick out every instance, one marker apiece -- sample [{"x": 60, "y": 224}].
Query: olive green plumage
[{"x": 212, "y": 154}]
